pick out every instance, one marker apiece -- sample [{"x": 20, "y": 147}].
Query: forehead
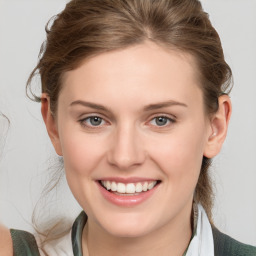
[{"x": 146, "y": 71}]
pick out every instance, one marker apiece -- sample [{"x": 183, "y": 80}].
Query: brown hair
[{"x": 89, "y": 27}]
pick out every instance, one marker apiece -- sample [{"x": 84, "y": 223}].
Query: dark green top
[
  {"x": 24, "y": 243},
  {"x": 77, "y": 231},
  {"x": 226, "y": 246}
]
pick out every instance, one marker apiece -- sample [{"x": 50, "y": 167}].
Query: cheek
[
  {"x": 82, "y": 154},
  {"x": 179, "y": 155}
]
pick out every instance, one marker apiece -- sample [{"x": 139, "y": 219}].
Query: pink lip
[{"x": 126, "y": 201}]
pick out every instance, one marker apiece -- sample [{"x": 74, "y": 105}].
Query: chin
[
  {"x": 128, "y": 225},
  {"x": 128, "y": 231}
]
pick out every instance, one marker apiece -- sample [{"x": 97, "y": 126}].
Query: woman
[{"x": 134, "y": 98}]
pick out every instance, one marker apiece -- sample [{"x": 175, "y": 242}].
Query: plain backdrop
[{"x": 26, "y": 154}]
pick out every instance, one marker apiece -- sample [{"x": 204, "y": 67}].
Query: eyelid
[
  {"x": 83, "y": 118},
  {"x": 169, "y": 116},
  {"x": 172, "y": 119}
]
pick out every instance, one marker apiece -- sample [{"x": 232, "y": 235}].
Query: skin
[
  {"x": 130, "y": 143},
  {"x": 5, "y": 241}
]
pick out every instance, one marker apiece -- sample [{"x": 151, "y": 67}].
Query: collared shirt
[{"x": 71, "y": 244}]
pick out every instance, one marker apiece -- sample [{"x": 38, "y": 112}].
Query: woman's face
[{"x": 132, "y": 130}]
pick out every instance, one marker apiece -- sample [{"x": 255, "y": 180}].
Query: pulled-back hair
[{"x": 86, "y": 28}]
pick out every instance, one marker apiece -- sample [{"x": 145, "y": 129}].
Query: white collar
[{"x": 202, "y": 243}]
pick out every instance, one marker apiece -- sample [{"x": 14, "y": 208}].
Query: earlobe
[
  {"x": 219, "y": 126},
  {"x": 50, "y": 123}
]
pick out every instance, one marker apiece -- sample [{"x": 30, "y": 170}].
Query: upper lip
[{"x": 127, "y": 180}]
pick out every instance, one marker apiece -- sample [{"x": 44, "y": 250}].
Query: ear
[
  {"x": 50, "y": 123},
  {"x": 219, "y": 126}
]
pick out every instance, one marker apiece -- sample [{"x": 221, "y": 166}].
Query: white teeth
[
  {"x": 138, "y": 187},
  {"x": 108, "y": 185},
  {"x": 145, "y": 186},
  {"x": 121, "y": 188},
  {"x": 130, "y": 188},
  {"x": 151, "y": 184},
  {"x": 113, "y": 186}
]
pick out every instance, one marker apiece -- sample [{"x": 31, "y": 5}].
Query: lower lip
[{"x": 126, "y": 201}]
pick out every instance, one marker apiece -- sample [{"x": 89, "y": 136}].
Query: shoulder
[
  {"x": 5, "y": 241},
  {"x": 60, "y": 246},
  {"x": 224, "y": 245},
  {"x": 24, "y": 243}
]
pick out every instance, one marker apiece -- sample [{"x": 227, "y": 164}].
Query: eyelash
[
  {"x": 166, "y": 117},
  {"x": 84, "y": 121}
]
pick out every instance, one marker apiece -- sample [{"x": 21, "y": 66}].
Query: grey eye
[
  {"x": 161, "y": 120},
  {"x": 94, "y": 120}
]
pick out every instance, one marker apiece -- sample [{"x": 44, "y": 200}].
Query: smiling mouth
[{"x": 129, "y": 189}]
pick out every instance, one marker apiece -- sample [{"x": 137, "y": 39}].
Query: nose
[{"x": 126, "y": 148}]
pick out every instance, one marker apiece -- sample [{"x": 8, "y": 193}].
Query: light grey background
[{"x": 24, "y": 161}]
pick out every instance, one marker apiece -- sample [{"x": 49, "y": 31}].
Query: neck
[{"x": 171, "y": 239}]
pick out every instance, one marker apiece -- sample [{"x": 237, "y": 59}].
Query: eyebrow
[
  {"x": 90, "y": 105},
  {"x": 146, "y": 108},
  {"x": 164, "y": 105}
]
